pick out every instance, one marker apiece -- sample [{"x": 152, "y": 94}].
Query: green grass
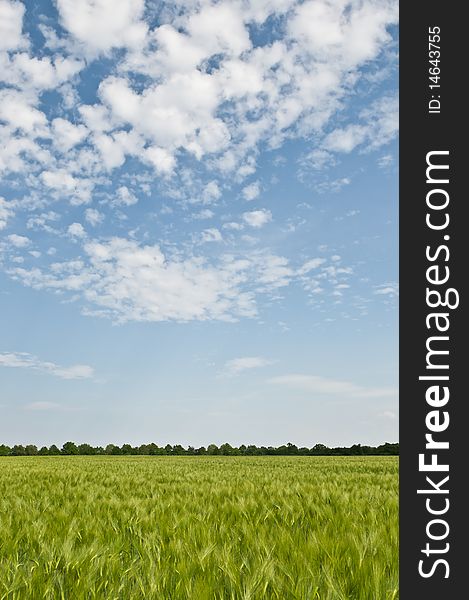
[{"x": 199, "y": 528}]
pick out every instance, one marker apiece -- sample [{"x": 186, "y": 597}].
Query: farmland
[{"x": 198, "y": 528}]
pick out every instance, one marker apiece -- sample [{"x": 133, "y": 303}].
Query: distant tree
[
  {"x": 4, "y": 450},
  {"x": 320, "y": 449},
  {"x": 112, "y": 449},
  {"x": 86, "y": 449},
  {"x": 213, "y": 449},
  {"x": 69, "y": 448},
  {"x": 226, "y": 450},
  {"x": 154, "y": 450}
]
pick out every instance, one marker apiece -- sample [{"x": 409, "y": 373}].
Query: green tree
[
  {"x": 4, "y": 450},
  {"x": 226, "y": 449},
  {"x": 69, "y": 448},
  {"x": 86, "y": 449}
]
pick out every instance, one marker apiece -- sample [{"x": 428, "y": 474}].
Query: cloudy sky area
[{"x": 198, "y": 221}]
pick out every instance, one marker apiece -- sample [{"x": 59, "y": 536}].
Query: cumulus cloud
[
  {"x": 257, "y": 218},
  {"x": 93, "y": 216},
  {"x": 124, "y": 280},
  {"x": 251, "y": 191},
  {"x": 19, "y": 241},
  {"x": 211, "y": 235},
  {"x": 104, "y": 24},
  {"x": 11, "y": 24},
  {"x": 24, "y": 360},
  {"x": 76, "y": 230},
  {"x": 186, "y": 97}
]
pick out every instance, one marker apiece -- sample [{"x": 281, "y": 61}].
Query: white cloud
[
  {"x": 104, "y": 24},
  {"x": 233, "y": 226},
  {"x": 236, "y": 366},
  {"x": 345, "y": 140},
  {"x": 211, "y": 192},
  {"x": 317, "y": 385},
  {"x": 380, "y": 126},
  {"x": 211, "y": 235},
  {"x": 186, "y": 103},
  {"x": 76, "y": 230},
  {"x": 24, "y": 360},
  {"x": 65, "y": 184},
  {"x": 6, "y": 211},
  {"x": 19, "y": 241},
  {"x": 257, "y": 218},
  {"x": 311, "y": 264},
  {"x": 125, "y": 281},
  {"x": 93, "y": 216},
  {"x": 251, "y": 191},
  {"x": 67, "y": 135},
  {"x": 387, "y": 289},
  {"x": 385, "y": 161},
  {"x": 206, "y": 213},
  {"x": 11, "y": 24},
  {"x": 17, "y": 110},
  {"x": 124, "y": 197}
]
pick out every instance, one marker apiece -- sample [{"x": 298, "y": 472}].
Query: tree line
[{"x": 70, "y": 448}]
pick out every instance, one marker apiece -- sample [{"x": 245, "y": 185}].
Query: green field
[{"x": 199, "y": 528}]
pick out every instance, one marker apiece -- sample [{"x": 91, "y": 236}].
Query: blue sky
[{"x": 198, "y": 221}]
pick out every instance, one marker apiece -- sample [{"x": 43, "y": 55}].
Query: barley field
[{"x": 199, "y": 528}]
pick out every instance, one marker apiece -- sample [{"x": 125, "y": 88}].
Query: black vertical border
[{"x": 420, "y": 133}]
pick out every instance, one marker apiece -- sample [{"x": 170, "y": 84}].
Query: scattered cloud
[
  {"x": 6, "y": 211},
  {"x": 387, "y": 289},
  {"x": 211, "y": 235},
  {"x": 19, "y": 241},
  {"x": 76, "y": 230},
  {"x": 93, "y": 216},
  {"x": 251, "y": 191},
  {"x": 24, "y": 360},
  {"x": 257, "y": 218}
]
